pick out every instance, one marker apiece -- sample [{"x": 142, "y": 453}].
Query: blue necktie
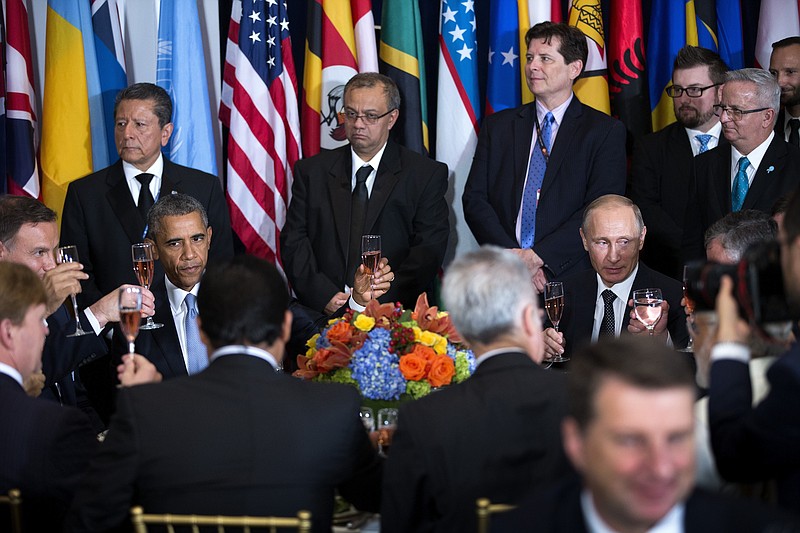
[
  {"x": 195, "y": 349},
  {"x": 740, "y": 185},
  {"x": 703, "y": 138},
  {"x": 533, "y": 185}
]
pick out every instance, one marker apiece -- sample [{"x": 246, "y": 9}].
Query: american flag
[
  {"x": 20, "y": 172},
  {"x": 259, "y": 106}
]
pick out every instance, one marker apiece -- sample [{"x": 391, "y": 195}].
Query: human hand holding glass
[
  {"x": 130, "y": 309},
  {"x": 144, "y": 268},
  {"x": 69, "y": 254},
  {"x": 647, "y": 306},
  {"x": 371, "y": 256},
  {"x": 554, "y": 306}
]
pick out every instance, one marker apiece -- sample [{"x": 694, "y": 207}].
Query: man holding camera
[{"x": 761, "y": 442}]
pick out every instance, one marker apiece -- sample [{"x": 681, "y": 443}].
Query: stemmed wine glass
[
  {"x": 554, "y": 305},
  {"x": 689, "y": 311},
  {"x": 387, "y": 421},
  {"x": 647, "y": 306},
  {"x": 69, "y": 254},
  {"x": 144, "y": 267},
  {"x": 371, "y": 258},
  {"x": 130, "y": 309}
]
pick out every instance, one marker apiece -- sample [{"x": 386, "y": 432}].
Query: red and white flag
[
  {"x": 259, "y": 106},
  {"x": 777, "y": 20}
]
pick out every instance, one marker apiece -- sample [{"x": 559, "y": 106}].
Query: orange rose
[
  {"x": 442, "y": 371},
  {"x": 426, "y": 352},
  {"x": 341, "y": 331},
  {"x": 413, "y": 366}
]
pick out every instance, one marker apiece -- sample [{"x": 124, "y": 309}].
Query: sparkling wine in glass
[
  {"x": 69, "y": 254},
  {"x": 689, "y": 310},
  {"x": 387, "y": 422},
  {"x": 371, "y": 257},
  {"x": 144, "y": 267},
  {"x": 647, "y": 306},
  {"x": 130, "y": 309},
  {"x": 554, "y": 306}
]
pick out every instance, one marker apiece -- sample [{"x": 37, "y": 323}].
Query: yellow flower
[
  {"x": 441, "y": 345},
  {"x": 441, "y": 314},
  {"x": 312, "y": 342},
  {"x": 428, "y": 338},
  {"x": 417, "y": 333},
  {"x": 364, "y": 322}
]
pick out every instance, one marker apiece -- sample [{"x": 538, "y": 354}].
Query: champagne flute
[
  {"x": 144, "y": 267},
  {"x": 130, "y": 309},
  {"x": 554, "y": 306},
  {"x": 69, "y": 254},
  {"x": 371, "y": 257},
  {"x": 689, "y": 311},
  {"x": 647, "y": 306},
  {"x": 387, "y": 422}
]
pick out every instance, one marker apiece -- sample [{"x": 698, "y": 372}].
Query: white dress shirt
[
  {"x": 177, "y": 305},
  {"x": 754, "y": 157},
  {"x": 156, "y": 169},
  {"x": 623, "y": 292},
  {"x": 238, "y": 349},
  {"x": 713, "y": 142}
]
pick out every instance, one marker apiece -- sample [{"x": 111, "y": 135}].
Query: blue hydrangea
[
  {"x": 322, "y": 340},
  {"x": 376, "y": 370}
]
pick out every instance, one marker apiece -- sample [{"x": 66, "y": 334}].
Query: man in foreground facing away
[
  {"x": 497, "y": 434},
  {"x": 239, "y": 437}
]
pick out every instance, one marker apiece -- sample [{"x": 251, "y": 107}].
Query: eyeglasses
[
  {"x": 735, "y": 114},
  {"x": 675, "y": 91},
  {"x": 368, "y": 118}
]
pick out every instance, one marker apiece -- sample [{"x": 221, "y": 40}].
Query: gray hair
[
  {"x": 613, "y": 200},
  {"x": 737, "y": 231},
  {"x": 768, "y": 92},
  {"x": 173, "y": 205},
  {"x": 485, "y": 292}
]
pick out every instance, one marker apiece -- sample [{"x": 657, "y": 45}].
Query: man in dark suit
[
  {"x": 613, "y": 233},
  {"x": 784, "y": 65},
  {"x": 105, "y": 212},
  {"x": 661, "y": 170},
  {"x": 239, "y": 437},
  {"x": 44, "y": 448},
  {"x": 181, "y": 236},
  {"x": 752, "y": 169},
  {"x": 497, "y": 434},
  {"x": 29, "y": 236},
  {"x": 630, "y": 434},
  {"x": 756, "y": 443},
  {"x": 372, "y": 186},
  {"x": 528, "y": 195}
]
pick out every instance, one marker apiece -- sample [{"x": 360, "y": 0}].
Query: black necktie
[
  {"x": 608, "y": 327},
  {"x": 145, "y": 197},
  {"x": 358, "y": 211},
  {"x": 794, "y": 134}
]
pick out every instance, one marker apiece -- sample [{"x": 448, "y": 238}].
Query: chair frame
[
  {"x": 140, "y": 520},
  {"x": 485, "y": 508},
  {"x": 14, "y": 502}
]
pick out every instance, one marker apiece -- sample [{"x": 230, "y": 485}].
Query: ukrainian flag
[{"x": 668, "y": 34}]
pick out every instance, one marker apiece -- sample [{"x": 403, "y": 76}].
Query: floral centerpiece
[{"x": 389, "y": 353}]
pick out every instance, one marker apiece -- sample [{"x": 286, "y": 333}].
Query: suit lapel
[
  {"x": 584, "y": 293},
  {"x": 339, "y": 189},
  {"x": 166, "y": 338},
  {"x": 770, "y": 168},
  {"x": 385, "y": 181},
  {"x": 523, "y": 130},
  {"x": 170, "y": 180},
  {"x": 121, "y": 202},
  {"x": 722, "y": 175}
]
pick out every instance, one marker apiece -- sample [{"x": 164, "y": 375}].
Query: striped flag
[
  {"x": 458, "y": 108},
  {"x": 777, "y": 20},
  {"x": 402, "y": 58},
  {"x": 181, "y": 71},
  {"x": 340, "y": 42},
  {"x": 17, "y": 104},
  {"x": 259, "y": 106},
  {"x": 591, "y": 88},
  {"x": 667, "y": 36},
  {"x": 72, "y": 115},
  {"x": 627, "y": 81},
  {"x": 111, "y": 64}
]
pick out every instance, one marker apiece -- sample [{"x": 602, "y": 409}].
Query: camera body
[{"x": 758, "y": 285}]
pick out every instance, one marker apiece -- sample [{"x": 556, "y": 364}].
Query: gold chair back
[
  {"x": 302, "y": 522},
  {"x": 486, "y": 509},
  {"x": 14, "y": 503}
]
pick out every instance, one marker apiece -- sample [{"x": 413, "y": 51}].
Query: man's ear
[
  {"x": 572, "y": 438},
  {"x": 155, "y": 248}
]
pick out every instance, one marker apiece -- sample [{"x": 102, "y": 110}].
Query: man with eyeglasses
[
  {"x": 784, "y": 65},
  {"x": 662, "y": 161},
  {"x": 373, "y": 186},
  {"x": 752, "y": 169}
]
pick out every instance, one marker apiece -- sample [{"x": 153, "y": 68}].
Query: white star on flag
[
  {"x": 255, "y": 36},
  {"x": 255, "y": 16},
  {"x": 465, "y": 52},
  {"x": 509, "y": 57},
  {"x": 449, "y": 15},
  {"x": 458, "y": 34}
]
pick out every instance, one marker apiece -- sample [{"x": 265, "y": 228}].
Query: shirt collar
[
  {"x": 497, "y": 351},
  {"x": 558, "y": 112},
  {"x": 156, "y": 169},
  {"x": 176, "y": 295},
  {"x": 375, "y": 162},
  {"x": 239, "y": 349},
  {"x": 755, "y": 156},
  {"x": 11, "y": 372},
  {"x": 672, "y": 522}
]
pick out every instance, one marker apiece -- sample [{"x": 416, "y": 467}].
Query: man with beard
[
  {"x": 784, "y": 65},
  {"x": 750, "y": 170},
  {"x": 662, "y": 161}
]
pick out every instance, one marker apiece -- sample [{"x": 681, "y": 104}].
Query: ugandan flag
[{"x": 402, "y": 59}]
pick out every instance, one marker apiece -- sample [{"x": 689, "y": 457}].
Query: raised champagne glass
[
  {"x": 371, "y": 258},
  {"x": 69, "y": 254},
  {"x": 144, "y": 267},
  {"x": 647, "y": 306},
  {"x": 130, "y": 315},
  {"x": 554, "y": 306}
]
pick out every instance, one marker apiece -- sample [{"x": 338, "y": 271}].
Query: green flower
[
  {"x": 462, "y": 367},
  {"x": 418, "y": 389}
]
